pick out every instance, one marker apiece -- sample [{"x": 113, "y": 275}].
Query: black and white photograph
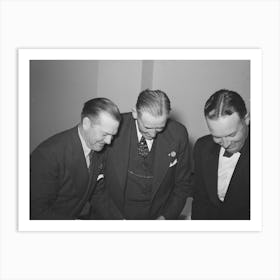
[{"x": 150, "y": 140}]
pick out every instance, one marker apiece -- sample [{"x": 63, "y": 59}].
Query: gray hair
[{"x": 155, "y": 102}]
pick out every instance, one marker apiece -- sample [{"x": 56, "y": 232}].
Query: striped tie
[{"x": 91, "y": 159}]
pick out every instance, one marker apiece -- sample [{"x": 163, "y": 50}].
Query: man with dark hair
[
  {"x": 148, "y": 167},
  {"x": 222, "y": 161},
  {"x": 66, "y": 168}
]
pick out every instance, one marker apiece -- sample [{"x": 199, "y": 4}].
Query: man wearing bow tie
[
  {"x": 222, "y": 161},
  {"x": 148, "y": 165},
  {"x": 65, "y": 170}
]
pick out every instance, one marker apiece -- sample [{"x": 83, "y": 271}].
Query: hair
[
  {"x": 93, "y": 107},
  {"x": 224, "y": 102},
  {"x": 156, "y": 102}
]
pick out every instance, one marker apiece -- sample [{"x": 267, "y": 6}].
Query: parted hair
[
  {"x": 224, "y": 102},
  {"x": 93, "y": 107},
  {"x": 155, "y": 102}
]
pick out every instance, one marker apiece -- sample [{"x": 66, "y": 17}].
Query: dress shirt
[{"x": 225, "y": 171}]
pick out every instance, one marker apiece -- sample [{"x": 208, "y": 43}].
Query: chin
[
  {"x": 233, "y": 151},
  {"x": 100, "y": 148}
]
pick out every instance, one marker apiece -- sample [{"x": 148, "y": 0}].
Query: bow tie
[{"x": 227, "y": 154}]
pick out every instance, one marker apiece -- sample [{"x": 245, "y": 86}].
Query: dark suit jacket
[
  {"x": 171, "y": 185},
  {"x": 59, "y": 178},
  {"x": 206, "y": 204}
]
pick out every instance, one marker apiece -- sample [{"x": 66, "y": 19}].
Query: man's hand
[{"x": 160, "y": 218}]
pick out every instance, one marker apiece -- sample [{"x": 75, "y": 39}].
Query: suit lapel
[
  {"x": 211, "y": 172},
  {"x": 79, "y": 170},
  {"x": 122, "y": 150},
  {"x": 84, "y": 181},
  {"x": 242, "y": 164},
  {"x": 161, "y": 160}
]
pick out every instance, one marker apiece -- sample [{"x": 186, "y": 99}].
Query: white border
[{"x": 24, "y": 57}]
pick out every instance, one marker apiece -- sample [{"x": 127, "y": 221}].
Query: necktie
[
  {"x": 91, "y": 158},
  {"x": 143, "y": 149},
  {"x": 227, "y": 154}
]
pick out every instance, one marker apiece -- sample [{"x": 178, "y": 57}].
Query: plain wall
[
  {"x": 58, "y": 90},
  {"x": 147, "y": 74},
  {"x": 120, "y": 81}
]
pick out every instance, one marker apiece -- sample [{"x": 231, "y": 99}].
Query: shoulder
[
  {"x": 126, "y": 120},
  {"x": 58, "y": 141},
  {"x": 204, "y": 139},
  {"x": 175, "y": 128},
  {"x": 175, "y": 133},
  {"x": 204, "y": 142},
  {"x": 126, "y": 117}
]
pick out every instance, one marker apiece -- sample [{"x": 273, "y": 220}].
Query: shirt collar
[
  {"x": 139, "y": 136},
  {"x": 222, "y": 151},
  {"x": 86, "y": 149}
]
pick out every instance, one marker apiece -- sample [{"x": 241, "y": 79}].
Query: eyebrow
[{"x": 233, "y": 133}]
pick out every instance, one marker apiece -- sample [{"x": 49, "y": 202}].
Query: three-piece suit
[{"x": 164, "y": 190}]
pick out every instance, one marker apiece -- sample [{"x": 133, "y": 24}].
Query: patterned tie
[
  {"x": 91, "y": 159},
  {"x": 143, "y": 149}
]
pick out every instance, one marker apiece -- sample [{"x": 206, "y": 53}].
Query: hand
[{"x": 160, "y": 218}]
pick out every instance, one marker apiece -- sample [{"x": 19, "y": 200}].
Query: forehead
[
  {"x": 151, "y": 121},
  {"x": 107, "y": 123},
  {"x": 225, "y": 125}
]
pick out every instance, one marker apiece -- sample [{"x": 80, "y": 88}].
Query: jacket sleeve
[
  {"x": 102, "y": 205},
  {"x": 44, "y": 186},
  {"x": 183, "y": 181},
  {"x": 201, "y": 206}
]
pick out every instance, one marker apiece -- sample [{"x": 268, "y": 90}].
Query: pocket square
[
  {"x": 173, "y": 163},
  {"x": 99, "y": 177}
]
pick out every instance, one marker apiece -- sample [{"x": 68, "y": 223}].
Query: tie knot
[{"x": 143, "y": 140}]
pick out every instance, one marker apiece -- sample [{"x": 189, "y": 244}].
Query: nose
[
  {"x": 225, "y": 142},
  {"x": 153, "y": 133},
  {"x": 108, "y": 139}
]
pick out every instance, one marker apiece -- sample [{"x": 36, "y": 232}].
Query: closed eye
[{"x": 232, "y": 134}]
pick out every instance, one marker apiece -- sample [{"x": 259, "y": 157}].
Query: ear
[
  {"x": 247, "y": 119},
  {"x": 86, "y": 123},
  {"x": 134, "y": 113}
]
